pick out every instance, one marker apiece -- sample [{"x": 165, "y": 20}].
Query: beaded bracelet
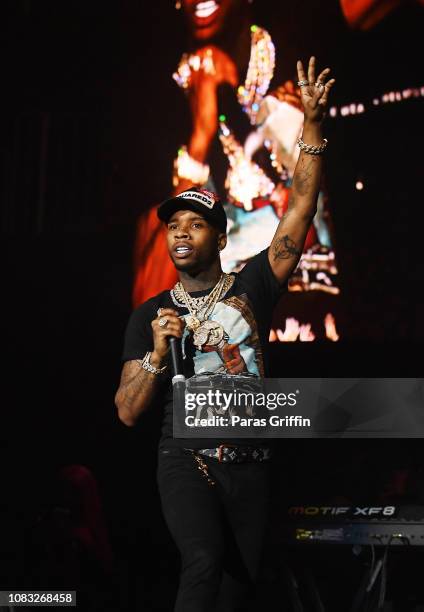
[{"x": 312, "y": 149}]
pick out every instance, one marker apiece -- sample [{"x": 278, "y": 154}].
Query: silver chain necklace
[{"x": 205, "y": 331}]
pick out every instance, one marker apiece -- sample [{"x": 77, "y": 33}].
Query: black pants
[{"x": 219, "y": 529}]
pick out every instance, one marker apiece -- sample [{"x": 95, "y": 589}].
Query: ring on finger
[
  {"x": 303, "y": 83},
  {"x": 319, "y": 84},
  {"x": 163, "y": 321}
]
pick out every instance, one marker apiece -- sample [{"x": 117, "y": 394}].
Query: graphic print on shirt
[{"x": 240, "y": 350}]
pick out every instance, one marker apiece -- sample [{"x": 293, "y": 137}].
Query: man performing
[{"x": 215, "y": 496}]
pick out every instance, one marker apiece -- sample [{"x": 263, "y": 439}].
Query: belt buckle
[{"x": 221, "y": 451}]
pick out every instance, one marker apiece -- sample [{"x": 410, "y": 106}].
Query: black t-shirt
[{"x": 245, "y": 312}]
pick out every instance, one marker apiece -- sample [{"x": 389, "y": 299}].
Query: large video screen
[{"x": 231, "y": 104}]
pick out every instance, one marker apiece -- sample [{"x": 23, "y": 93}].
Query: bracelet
[
  {"x": 185, "y": 167},
  {"x": 313, "y": 150},
  {"x": 146, "y": 365}
]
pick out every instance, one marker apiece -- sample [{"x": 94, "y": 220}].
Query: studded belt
[{"x": 227, "y": 453}]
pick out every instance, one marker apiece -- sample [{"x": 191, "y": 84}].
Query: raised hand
[
  {"x": 213, "y": 68},
  {"x": 314, "y": 91},
  {"x": 210, "y": 68}
]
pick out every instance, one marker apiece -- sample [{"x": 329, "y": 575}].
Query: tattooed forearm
[
  {"x": 133, "y": 388},
  {"x": 304, "y": 175},
  {"x": 285, "y": 248},
  {"x": 135, "y": 391}
]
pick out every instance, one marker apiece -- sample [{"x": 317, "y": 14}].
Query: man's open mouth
[
  {"x": 205, "y": 10},
  {"x": 183, "y": 250}
]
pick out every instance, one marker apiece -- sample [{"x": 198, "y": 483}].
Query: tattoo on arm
[
  {"x": 302, "y": 177},
  {"x": 285, "y": 248},
  {"x": 134, "y": 381},
  {"x": 131, "y": 373},
  {"x": 295, "y": 222}
]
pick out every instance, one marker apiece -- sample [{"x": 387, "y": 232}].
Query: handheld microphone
[
  {"x": 178, "y": 378},
  {"x": 176, "y": 360}
]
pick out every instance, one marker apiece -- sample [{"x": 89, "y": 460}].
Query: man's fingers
[
  {"x": 231, "y": 363},
  {"x": 171, "y": 321},
  {"x": 171, "y": 330},
  {"x": 234, "y": 347},
  {"x": 311, "y": 75},
  {"x": 323, "y": 75},
  {"x": 328, "y": 86},
  {"x": 166, "y": 311},
  {"x": 301, "y": 76},
  {"x": 311, "y": 70},
  {"x": 177, "y": 333},
  {"x": 318, "y": 93}
]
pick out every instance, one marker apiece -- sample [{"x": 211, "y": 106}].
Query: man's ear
[{"x": 222, "y": 241}]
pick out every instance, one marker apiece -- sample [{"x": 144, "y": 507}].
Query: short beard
[
  {"x": 184, "y": 268},
  {"x": 195, "y": 267}
]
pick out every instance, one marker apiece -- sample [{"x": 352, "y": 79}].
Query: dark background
[{"x": 90, "y": 123}]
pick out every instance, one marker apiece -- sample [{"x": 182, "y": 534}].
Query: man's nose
[{"x": 182, "y": 232}]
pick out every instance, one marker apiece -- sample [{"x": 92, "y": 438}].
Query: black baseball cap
[{"x": 205, "y": 202}]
